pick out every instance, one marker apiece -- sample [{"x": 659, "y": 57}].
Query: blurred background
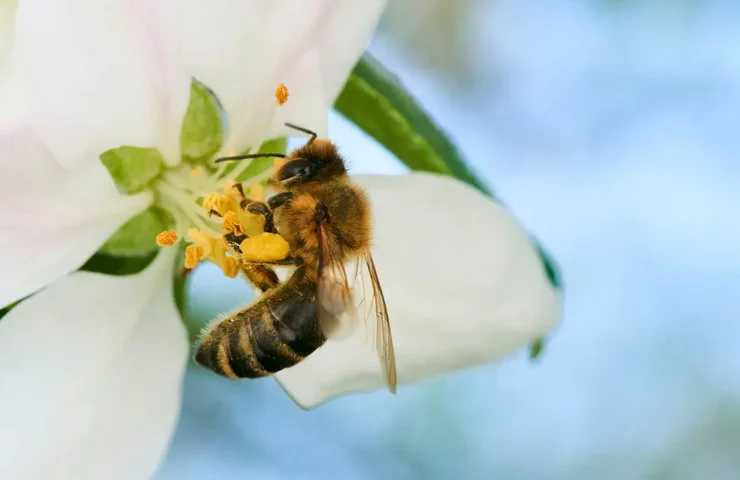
[{"x": 610, "y": 129}]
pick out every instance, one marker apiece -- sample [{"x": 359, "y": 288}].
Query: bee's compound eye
[{"x": 296, "y": 169}]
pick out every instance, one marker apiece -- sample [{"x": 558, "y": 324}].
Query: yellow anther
[
  {"x": 281, "y": 94},
  {"x": 231, "y": 223},
  {"x": 218, "y": 253},
  {"x": 220, "y": 203},
  {"x": 196, "y": 171},
  {"x": 202, "y": 240},
  {"x": 257, "y": 193},
  {"x": 266, "y": 247},
  {"x": 193, "y": 255},
  {"x": 234, "y": 189},
  {"x": 230, "y": 267},
  {"x": 278, "y": 163},
  {"x": 166, "y": 238}
]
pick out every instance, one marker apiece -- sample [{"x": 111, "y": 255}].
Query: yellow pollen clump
[
  {"x": 281, "y": 94},
  {"x": 196, "y": 171},
  {"x": 193, "y": 255},
  {"x": 266, "y": 247},
  {"x": 257, "y": 193},
  {"x": 166, "y": 238},
  {"x": 231, "y": 223},
  {"x": 230, "y": 267}
]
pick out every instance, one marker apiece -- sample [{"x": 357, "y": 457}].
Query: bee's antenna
[
  {"x": 304, "y": 130},
  {"x": 253, "y": 155}
]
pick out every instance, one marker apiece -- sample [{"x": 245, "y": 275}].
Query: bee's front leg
[
  {"x": 261, "y": 208},
  {"x": 279, "y": 200}
]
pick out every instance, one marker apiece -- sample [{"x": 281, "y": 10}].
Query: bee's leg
[
  {"x": 279, "y": 200},
  {"x": 261, "y": 276},
  {"x": 260, "y": 208},
  {"x": 235, "y": 241},
  {"x": 288, "y": 261}
]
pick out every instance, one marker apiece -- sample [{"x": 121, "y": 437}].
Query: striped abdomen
[{"x": 277, "y": 332}]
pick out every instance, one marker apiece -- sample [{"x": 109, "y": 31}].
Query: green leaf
[
  {"x": 4, "y": 311},
  {"x": 203, "y": 128},
  {"x": 376, "y": 101},
  {"x": 133, "y": 168},
  {"x": 137, "y": 236},
  {"x": 536, "y": 348},
  {"x": 117, "y": 265},
  {"x": 551, "y": 268}
]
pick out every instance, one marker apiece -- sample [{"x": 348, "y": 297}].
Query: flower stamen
[
  {"x": 281, "y": 94},
  {"x": 193, "y": 255},
  {"x": 166, "y": 238},
  {"x": 232, "y": 224},
  {"x": 212, "y": 214}
]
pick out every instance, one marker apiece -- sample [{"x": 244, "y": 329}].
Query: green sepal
[
  {"x": 203, "y": 127},
  {"x": 133, "y": 168},
  {"x": 376, "y": 101},
  {"x": 137, "y": 236},
  {"x": 259, "y": 165},
  {"x": 117, "y": 265}
]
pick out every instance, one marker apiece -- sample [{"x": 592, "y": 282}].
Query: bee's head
[{"x": 315, "y": 162}]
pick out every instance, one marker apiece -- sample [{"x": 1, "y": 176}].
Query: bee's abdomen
[{"x": 275, "y": 333}]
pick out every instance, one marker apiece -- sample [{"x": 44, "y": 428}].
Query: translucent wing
[
  {"x": 383, "y": 338},
  {"x": 337, "y": 312}
]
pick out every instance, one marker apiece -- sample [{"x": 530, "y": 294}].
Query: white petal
[
  {"x": 101, "y": 73},
  {"x": 316, "y": 76},
  {"x": 51, "y": 220},
  {"x": 90, "y": 377},
  {"x": 344, "y": 38},
  {"x": 463, "y": 283},
  {"x": 243, "y": 50},
  {"x": 237, "y": 49},
  {"x": 7, "y": 28}
]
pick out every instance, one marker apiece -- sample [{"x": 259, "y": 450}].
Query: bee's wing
[
  {"x": 337, "y": 312},
  {"x": 383, "y": 339}
]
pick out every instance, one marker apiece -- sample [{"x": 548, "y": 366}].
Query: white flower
[{"x": 91, "y": 365}]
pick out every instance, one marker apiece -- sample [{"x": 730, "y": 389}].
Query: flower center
[
  {"x": 213, "y": 212},
  {"x": 224, "y": 220}
]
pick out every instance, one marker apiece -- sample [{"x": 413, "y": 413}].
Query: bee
[{"x": 327, "y": 221}]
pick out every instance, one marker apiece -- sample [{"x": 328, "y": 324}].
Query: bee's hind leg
[
  {"x": 262, "y": 276},
  {"x": 259, "y": 275}
]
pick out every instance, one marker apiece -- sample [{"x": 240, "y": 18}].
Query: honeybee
[{"x": 327, "y": 221}]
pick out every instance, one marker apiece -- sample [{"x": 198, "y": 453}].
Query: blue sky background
[{"x": 610, "y": 129}]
